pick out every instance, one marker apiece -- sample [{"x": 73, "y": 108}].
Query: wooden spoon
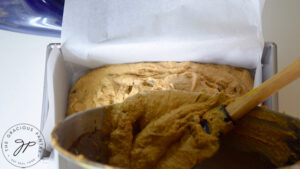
[{"x": 247, "y": 102}]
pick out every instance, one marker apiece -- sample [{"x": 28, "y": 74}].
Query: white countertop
[{"x": 22, "y": 64}]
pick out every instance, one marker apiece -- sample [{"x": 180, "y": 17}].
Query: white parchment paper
[{"x": 98, "y": 32}]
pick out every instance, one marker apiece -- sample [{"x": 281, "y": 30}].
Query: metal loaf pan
[{"x": 269, "y": 68}]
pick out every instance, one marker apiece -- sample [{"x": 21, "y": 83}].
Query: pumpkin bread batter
[
  {"x": 114, "y": 83},
  {"x": 164, "y": 129}
]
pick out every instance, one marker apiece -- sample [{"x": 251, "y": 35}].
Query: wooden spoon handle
[{"x": 245, "y": 103}]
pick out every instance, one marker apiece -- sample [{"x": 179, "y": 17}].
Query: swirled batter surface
[{"x": 114, "y": 83}]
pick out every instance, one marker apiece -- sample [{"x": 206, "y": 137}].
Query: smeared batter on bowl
[{"x": 269, "y": 133}]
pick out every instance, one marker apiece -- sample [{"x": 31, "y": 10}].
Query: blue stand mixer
[{"x": 40, "y": 17}]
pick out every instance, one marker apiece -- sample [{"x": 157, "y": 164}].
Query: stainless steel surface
[
  {"x": 269, "y": 62},
  {"x": 87, "y": 121},
  {"x": 76, "y": 125},
  {"x": 45, "y": 104}
]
